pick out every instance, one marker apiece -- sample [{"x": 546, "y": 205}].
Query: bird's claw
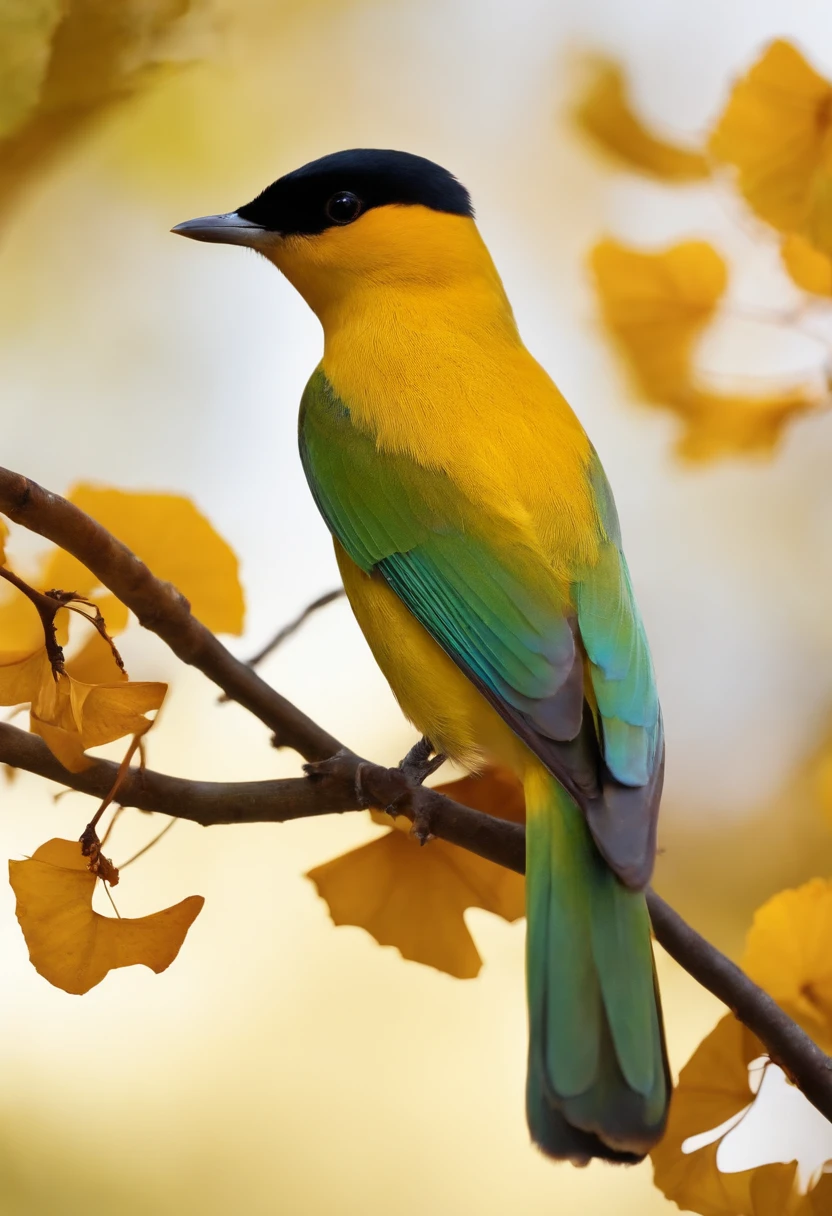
[
  {"x": 419, "y": 762},
  {"x": 417, "y": 765}
]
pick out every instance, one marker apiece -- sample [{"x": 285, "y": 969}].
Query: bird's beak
[{"x": 229, "y": 229}]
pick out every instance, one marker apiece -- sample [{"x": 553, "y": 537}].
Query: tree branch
[
  {"x": 159, "y": 608},
  {"x": 336, "y": 786}
]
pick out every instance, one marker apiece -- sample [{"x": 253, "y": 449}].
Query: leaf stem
[{"x": 47, "y": 607}]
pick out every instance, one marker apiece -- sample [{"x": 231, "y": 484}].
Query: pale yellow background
[{"x": 281, "y": 1065}]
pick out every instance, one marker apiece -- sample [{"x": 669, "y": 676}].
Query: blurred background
[{"x": 282, "y": 1065}]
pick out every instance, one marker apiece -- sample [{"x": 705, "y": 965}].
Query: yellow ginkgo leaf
[
  {"x": 21, "y": 677},
  {"x": 789, "y": 953},
  {"x": 110, "y": 711},
  {"x": 720, "y": 424},
  {"x": 818, "y": 1201},
  {"x": 70, "y": 945},
  {"x": 775, "y": 130},
  {"x": 4, "y": 536},
  {"x": 70, "y": 714},
  {"x": 26, "y": 37},
  {"x": 656, "y": 305},
  {"x": 64, "y": 63},
  {"x": 713, "y": 1087},
  {"x": 607, "y": 115},
  {"x": 810, "y": 269},
  {"x": 415, "y": 898},
  {"x": 178, "y": 544},
  {"x": 71, "y": 717}
]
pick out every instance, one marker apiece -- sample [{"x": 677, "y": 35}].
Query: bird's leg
[
  {"x": 397, "y": 790},
  {"x": 416, "y": 767}
]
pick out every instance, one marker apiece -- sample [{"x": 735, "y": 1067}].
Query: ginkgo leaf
[
  {"x": 415, "y": 898},
  {"x": 175, "y": 540},
  {"x": 20, "y": 678},
  {"x": 70, "y": 714},
  {"x": 810, "y": 269},
  {"x": 656, "y": 305},
  {"x": 723, "y": 424},
  {"x": 606, "y": 114},
  {"x": 110, "y": 711},
  {"x": 775, "y": 131},
  {"x": 74, "y": 947},
  {"x": 64, "y": 63},
  {"x": 4, "y": 536},
  {"x": 26, "y": 34},
  {"x": 713, "y": 1086},
  {"x": 71, "y": 717},
  {"x": 818, "y": 1202},
  {"x": 788, "y": 953}
]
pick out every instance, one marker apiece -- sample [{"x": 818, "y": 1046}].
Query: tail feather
[{"x": 598, "y": 1081}]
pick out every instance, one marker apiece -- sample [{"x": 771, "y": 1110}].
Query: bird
[{"x": 480, "y": 550}]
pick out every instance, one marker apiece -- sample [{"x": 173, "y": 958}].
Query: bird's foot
[
  {"x": 420, "y": 762},
  {"x": 398, "y": 790},
  {"x": 416, "y": 767}
]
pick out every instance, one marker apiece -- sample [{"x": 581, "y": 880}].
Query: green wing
[{"x": 483, "y": 596}]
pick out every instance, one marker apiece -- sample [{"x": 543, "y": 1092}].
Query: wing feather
[{"x": 568, "y": 669}]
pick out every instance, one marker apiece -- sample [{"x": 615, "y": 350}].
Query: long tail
[{"x": 598, "y": 1082}]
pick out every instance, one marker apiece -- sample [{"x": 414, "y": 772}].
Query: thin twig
[
  {"x": 118, "y": 781},
  {"x": 117, "y": 814},
  {"x": 288, "y": 630},
  {"x": 110, "y": 897},
  {"x": 293, "y": 626},
  {"x": 98, "y": 623},
  {"x": 149, "y": 844}
]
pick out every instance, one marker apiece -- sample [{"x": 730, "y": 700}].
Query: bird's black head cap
[{"x": 337, "y": 189}]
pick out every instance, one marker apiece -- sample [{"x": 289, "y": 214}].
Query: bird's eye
[{"x": 343, "y": 207}]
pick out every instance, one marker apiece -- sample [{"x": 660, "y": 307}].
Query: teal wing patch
[
  {"x": 521, "y": 644},
  {"x": 621, "y": 669},
  {"x": 411, "y": 525},
  {"x": 629, "y": 720}
]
